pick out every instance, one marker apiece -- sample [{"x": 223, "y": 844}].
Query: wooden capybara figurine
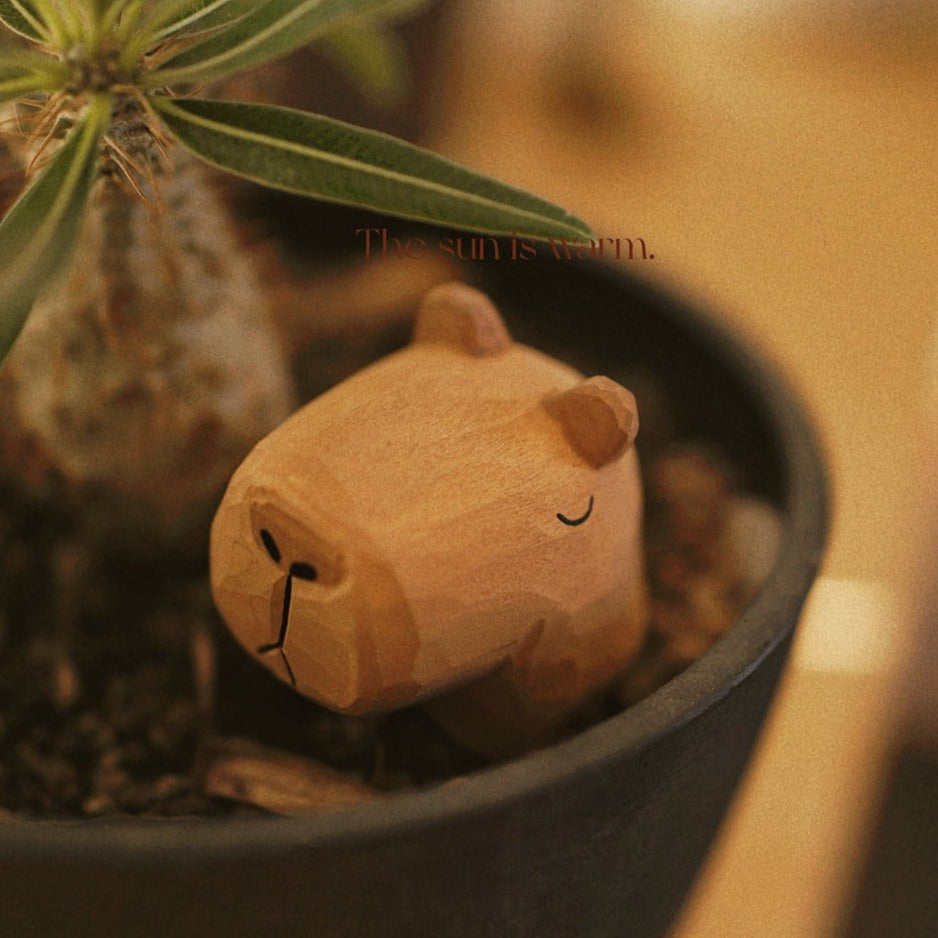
[{"x": 459, "y": 523}]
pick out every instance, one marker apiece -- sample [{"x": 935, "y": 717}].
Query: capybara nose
[
  {"x": 297, "y": 550},
  {"x": 303, "y": 571},
  {"x": 298, "y": 568}
]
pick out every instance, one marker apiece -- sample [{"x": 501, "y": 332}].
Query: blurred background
[{"x": 780, "y": 160}]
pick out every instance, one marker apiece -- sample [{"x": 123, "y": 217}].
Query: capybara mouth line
[
  {"x": 286, "y": 662},
  {"x": 282, "y": 637}
]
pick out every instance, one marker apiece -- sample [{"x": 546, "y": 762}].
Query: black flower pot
[{"x": 597, "y": 837}]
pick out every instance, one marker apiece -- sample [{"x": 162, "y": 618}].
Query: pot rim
[{"x": 767, "y": 622}]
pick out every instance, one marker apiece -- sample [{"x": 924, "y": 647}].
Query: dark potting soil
[{"x": 125, "y": 695}]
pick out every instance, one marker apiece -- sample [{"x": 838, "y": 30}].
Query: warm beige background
[{"x": 782, "y": 166}]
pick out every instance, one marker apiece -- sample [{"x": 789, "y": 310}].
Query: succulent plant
[{"x": 107, "y": 87}]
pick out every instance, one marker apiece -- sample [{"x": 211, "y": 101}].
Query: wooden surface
[{"x": 780, "y": 162}]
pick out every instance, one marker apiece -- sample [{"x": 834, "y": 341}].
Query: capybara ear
[
  {"x": 459, "y": 315},
  {"x": 599, "y": 417}
]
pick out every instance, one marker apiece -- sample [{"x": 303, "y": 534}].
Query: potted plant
[{"x": 594, "y": 835}]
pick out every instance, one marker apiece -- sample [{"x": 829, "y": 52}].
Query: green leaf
[
  {"x": 22, "y": 18},
  {"x": 274, "y": 28},
  {"x": 23, "y": 72},
  {"x": 374, "y": 58},
  {"x": 38, "y": 232},
  {"x": 12, "y": 87},
  {"x": 323, "y": 158},
  {"x": 189, "y": 20},
  {"x": 197, "y": 15}
]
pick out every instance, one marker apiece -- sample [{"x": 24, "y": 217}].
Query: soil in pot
[{"x": 149, "y": 709}]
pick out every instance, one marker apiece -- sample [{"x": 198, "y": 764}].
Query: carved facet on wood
[{"x": 458, "y": 523}]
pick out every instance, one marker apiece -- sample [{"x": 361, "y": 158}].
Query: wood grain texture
[{"x": 462, "y": 517}]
